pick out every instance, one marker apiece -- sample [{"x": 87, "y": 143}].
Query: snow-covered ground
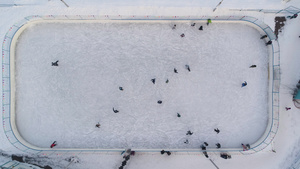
[
  {"x": 95, "y": 59},
  {"x": 287, "y": 141}
]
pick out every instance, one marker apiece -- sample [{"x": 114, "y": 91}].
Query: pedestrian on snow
[
  {"x": 205, "y": 153},
  {"x": 178, "y": 115},
  {"x": 263, "y": 37},
  {"x": 121, "y": 88},
  {"x": 203, "y": 147},
  {"x": 159, "y": 102},
  {"x": 115, "y": 111},
  {"x": 168, "y": 152},
  {"x": 244, "y": 84},
  {"x": 186, "y": 141},
  {"x": 53, "y": 144},
  {"x": 205, "y": 143},
  {"x": 153, "y": 81},
  {"x": 175, "y": 70},
  {"x": 189, "y": 133},
  {"x": 98, "y": 125},
  {"x": 217, "y": 130},
  {"x": 293, "y": 16},
  {"x": 208, "y": 22},
  {"x": 201, "y": 28},
  {"x": 244, "y": 147},
  {"x": 188, "y": 67},
  {"x": 253, "y": 66},
  {"x": 218, "y": 145},
  {"x": 287, "y": 108},
  {"x": 167, "y": 81},
  {"x": 174, "y": 27},
  {"x": 182, "y": 35},
  {"x": 162, "y": 152},
  {"x": 193, "y": 24},
  {"x": 225, "y": 156},
  {"x": 269, "y": 43},
  {"x": 55, "y": 63},
  {"x": 124, "y": 163}
]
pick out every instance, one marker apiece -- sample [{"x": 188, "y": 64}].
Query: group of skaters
[{"x": 193, "y": 25}]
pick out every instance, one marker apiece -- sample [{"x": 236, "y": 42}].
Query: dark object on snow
[
  {"x": 153, "y": 81},
  {"x": 55, "y": 63},
  {"x": 186, "y": 141},
  {"x": 205, "y": 153},
  {"x": 263, "y": 37},
  {"x": 217, "y": 130},
  {"x": 174, "y": 27},
  {"x": 203, "y": 147},
  {"x": 17, "y": 158},
  {"x": 269, "y": 43},
  {"x": 121, "y": 88},
  {"x": 293, "y": 16},
  {"x": 287, "y": 108},
  {"x": 98, "y": 125},
  {"x": 225, "y": 156},
  {"x": 244, "y": 84},
  {"x": 182, "y": 35},
  {"x": 159, "y": 102},
  {"x": 252, "y": 66},
  {"x": 201, "y": 28},
  {"x": 168, "y": 152},
  {"x": 218, "y": 145},
  {"x": 115, "y": 111},
  {"x": 124, "y": 163},
  {"x": 175, "y": 70},
  {"x": 178, "y": 115},
  {"x": 167, "y": 81},
  {"x": 189, "y": 133},
  {"x": 208, "y": 22},
  {"x": 206, "y": 144},
  {"x": 188, "y": 67},
  {"x": 53, "y": 144},
  {"x": 193, "y": 24},
  {"x": 162, "y": 152}
]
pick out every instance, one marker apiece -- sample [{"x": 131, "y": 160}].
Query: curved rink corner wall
[{"x": 8, "y": 81}]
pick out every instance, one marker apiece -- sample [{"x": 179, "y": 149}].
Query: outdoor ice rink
[{"x": 64, "y": 103}]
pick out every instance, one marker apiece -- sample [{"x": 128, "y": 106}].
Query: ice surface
[{"x": 64, "y": 103}]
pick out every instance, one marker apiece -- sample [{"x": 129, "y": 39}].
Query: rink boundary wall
[{"x": 8, "y": 81}]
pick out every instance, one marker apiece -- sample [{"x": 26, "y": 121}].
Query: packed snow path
[{"x": 64, "y": 103}]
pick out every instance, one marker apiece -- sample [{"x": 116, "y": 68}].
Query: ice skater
[
  {"x": 293, "y": 16},
  {"x": 244, "y": 147},
  {"x": 208, "y": 22},
  {"x": 174, "y": 27},
  {"x": 217, "y": 130},
  {"x": 175, "y": 70},
  {"x": 287, "y": 108},
  {"x": 153, "y": 81},
  {"x": 201, "y": 28},
  {"x": 121, "y": 88},
  {"x": 182, "y": 35},
  {"x": 193, "y": 24},
  {"x": 186, "y": 141},
  {"x": 203, "y": 147},
  {"x": 205, "y": 143},
  {"x": 162, "y": 152},
  {"x": 55, "y": 63},
  {"x": 124, "y": 163},
  {"x": 98, "y": 125},
  {"x": 127, "y": 157},
  {"x": 269, "y": 43},
  {"x": 178, "y": 115},
  {"x": 53, "y": 144},
  {"x": 121, "y": 167},
  {"x": 168, "y": 152},
  {"x": 189, "y": 133},
  {"x": 159, "y": 102},
  {"x": 188, "y": 67},
  {"x": 167, "y": 81},
  {"x": 252, "y": 66},
  {"x": 244, "y": 84},
  {"x": 218, "y": 145},
  {"x": 263, "y": 37},
  {"x": 205, "y": 154},
  {"x": 225, "y": 156},
  {"x": 115, "y": 111}
]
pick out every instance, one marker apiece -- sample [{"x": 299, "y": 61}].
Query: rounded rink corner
[{"x": 8, "y": 80}]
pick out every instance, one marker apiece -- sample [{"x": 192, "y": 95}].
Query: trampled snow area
[{"x": 64, "y": 103}]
